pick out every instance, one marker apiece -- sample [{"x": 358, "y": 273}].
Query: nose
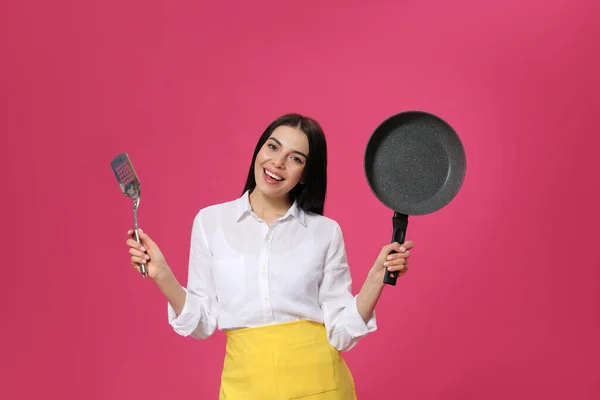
[{"x": 279, "y": 161}]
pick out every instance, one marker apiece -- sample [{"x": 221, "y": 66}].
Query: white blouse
[{"x": 243, "y": 273}]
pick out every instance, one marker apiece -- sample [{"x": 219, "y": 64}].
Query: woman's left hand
[{"x": 392, "y": 262}]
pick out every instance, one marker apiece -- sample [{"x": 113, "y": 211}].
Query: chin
[{"x": 270, "y": 191}]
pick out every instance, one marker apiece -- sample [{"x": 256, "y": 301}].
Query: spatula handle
[
  {"x": 399, "y": 223},
  {"x": 143, "y": 270}
]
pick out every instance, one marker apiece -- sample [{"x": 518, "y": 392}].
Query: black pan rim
[{"x": 458, "y": 166}]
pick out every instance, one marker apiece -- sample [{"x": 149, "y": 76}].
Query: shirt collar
[{"x": 243, "y": 207}]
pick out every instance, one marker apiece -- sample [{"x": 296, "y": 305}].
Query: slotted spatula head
[{"x": 126, "y": 176}]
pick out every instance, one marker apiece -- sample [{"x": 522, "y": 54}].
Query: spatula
[{"x": 130, "y": 186}]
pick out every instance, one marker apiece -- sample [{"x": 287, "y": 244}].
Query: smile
[{"x": 272, "y": 175}]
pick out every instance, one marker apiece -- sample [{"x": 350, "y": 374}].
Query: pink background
[{"x": 502, "y": 298}]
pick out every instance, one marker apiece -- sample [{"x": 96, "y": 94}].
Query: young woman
[{"x": 270, "y": 270}]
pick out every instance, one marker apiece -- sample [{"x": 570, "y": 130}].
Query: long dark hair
[{"x": 310, "y": 195}]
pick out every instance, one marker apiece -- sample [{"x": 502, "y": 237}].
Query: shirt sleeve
[
  {"x": 198, "y": 318},
  {"x": 344, "y": 325}
]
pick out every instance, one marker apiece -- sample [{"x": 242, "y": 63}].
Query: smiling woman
[
  {"x": 279, "y": 165},
  {"x": 271, "y": 271},
  {"x": 292, "y": 148}
]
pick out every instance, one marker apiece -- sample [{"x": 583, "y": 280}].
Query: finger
[
  {"x": 135, "y": 245},
  {"x": 137, "y": 260},
  {"x": 145, "y": 238},
  {"x": 139, "y": 254},
  {"x": 398, "y": 268},
  {"x": 388, "y": 248},
  {"x": 131, "y": 233},
  {"x": 403, "y": 247},
  {"x": 408, "y": 244},
  {"x": 396, "y": 262},
  {"x": 395, "y": 256}
]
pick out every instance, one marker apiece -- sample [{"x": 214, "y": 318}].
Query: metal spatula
[{"x": 130, "y": 186}]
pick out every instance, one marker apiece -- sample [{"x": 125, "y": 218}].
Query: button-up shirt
[{"x": 245, "y": 273}]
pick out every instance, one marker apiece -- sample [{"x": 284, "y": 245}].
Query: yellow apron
[{"x": 291, "y": 360}]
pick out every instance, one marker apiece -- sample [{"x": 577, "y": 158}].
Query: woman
[{"x": 270, "y": 270}]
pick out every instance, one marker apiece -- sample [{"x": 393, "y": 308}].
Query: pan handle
[{"x": 400, "y": 223}]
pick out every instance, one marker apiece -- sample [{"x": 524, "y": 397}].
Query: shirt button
[
  {"x": 268, "y": 238},
  {"x": 266, "y": 298}
]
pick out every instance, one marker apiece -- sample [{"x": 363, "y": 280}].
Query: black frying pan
[{"x": 414, "y": 164}]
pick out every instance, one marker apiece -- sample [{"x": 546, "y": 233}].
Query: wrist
[
  {"x": 162, "y": 275},
  {"x": 375, "y": 278}
]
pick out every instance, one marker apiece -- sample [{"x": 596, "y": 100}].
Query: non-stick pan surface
[{"x": 414, "y": 163}]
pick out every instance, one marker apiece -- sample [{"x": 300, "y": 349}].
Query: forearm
[
  {"x": 367, "y": 298},
  {"x": 171, "y": 289}
]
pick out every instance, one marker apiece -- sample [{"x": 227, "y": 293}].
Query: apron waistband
[{"x": 278, "y": 336}]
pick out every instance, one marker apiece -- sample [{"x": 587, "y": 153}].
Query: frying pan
[{"x": 414, "y": 164}]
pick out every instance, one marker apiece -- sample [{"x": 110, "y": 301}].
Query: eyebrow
[{"x": 293, "y": 151}]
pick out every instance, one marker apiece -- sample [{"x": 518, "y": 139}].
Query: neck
[{"x": 267, "y": 207}]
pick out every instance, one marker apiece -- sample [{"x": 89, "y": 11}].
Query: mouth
[{"x": 271, "y": 177}]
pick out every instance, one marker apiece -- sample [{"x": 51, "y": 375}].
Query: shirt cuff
[
  {"x": 355, "y": 325},
  {"x": 187, "y": 321}
]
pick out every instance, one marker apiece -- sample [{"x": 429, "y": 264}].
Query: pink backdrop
[{"x": 502, "y": 297}]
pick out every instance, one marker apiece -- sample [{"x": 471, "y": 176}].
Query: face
[{"x": 281, "y": 161}]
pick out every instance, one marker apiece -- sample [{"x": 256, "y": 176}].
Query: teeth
[{"x": 273, "y": 175}]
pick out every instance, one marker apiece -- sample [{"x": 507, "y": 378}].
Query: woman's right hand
[{"x": 147, "y": 252}]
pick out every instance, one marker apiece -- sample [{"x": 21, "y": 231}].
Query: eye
[
  {"x": 272, "y": 146},
  {"x": 298, "y": 160}
]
